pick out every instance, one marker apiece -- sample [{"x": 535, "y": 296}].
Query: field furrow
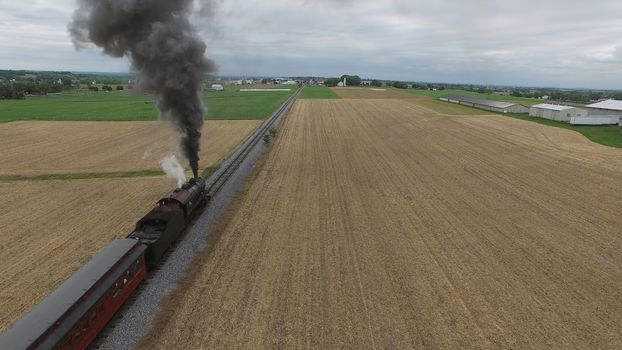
[{"x": 378, "y": 224}]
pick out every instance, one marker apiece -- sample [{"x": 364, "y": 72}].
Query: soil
[
  {"x": 378, "y": 224},
  {"x": 43, "y": 147}
]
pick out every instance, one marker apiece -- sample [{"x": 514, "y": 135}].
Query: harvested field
[
  {"x": 433, "y": 105},
  {"x": 43, "y": 147},
  {"x": 379, "y": 225},
  {"x": 52, "y": 228},
  {"x": 364, "y": 93}
]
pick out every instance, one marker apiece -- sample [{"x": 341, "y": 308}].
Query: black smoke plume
[{"x": 164, "y": 49}]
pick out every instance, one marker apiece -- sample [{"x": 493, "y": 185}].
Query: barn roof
[
  {"x": 481, "y": 102},
  {"x": 552, "y": 107},
  {"x": 615, "y": 105}
]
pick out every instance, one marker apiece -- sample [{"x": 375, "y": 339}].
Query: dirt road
[{"x": 375, "y": 224}]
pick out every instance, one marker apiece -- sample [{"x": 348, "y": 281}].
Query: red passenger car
[{"x": 73, "y": 315}]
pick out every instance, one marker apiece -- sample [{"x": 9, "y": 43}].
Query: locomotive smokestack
[{"x": 165, "y": 51}]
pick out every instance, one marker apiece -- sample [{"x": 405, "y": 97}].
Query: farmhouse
[
  {"x": 604, "y": 112},
  {"x": 557, "y": 112},
  {"x": 495, "y": 106}
]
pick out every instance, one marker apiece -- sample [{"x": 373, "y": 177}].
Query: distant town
[{"x": 18, "y": 84}]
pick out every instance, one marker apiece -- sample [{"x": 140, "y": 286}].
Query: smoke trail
[
  {"x": 173, "y": 169},
  {"x": 164, "y": 50}
]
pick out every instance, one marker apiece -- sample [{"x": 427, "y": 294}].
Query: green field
[
  {"x": 608, "y": 135},
  {"x": 439, "y": 93},
  {"x": 318, "y": 92},
  {"x": 245, "y": 105},
  {"x": 443, "y": 107},
  {"x": 125, "y": 106}
]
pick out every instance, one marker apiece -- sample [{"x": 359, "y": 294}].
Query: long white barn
[
  {"x": 607, "y": 112},
  {"x": 495, "y": 106},
  {"x": 559, "y": 113}
]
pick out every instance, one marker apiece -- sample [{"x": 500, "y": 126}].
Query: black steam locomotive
[
  {"x": 74, "y": 314},
  {"x": 165, "y": 223}
]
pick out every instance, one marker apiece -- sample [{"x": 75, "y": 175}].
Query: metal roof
[
  {"x": 481, "y": 102},
  {"x": 34, "y": 324},
  {"x": 552, "y": 107},
  {"x": 615, "y": 105}
]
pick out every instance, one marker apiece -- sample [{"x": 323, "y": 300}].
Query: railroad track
[
  {"x": 215, "y": 182},
  {"x": 213, "y": 185}
]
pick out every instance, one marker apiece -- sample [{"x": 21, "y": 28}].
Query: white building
[
  {"x": 495, "y": 106},
  {"x": 557, "y": 112},
  {"x": 605, "y": 112}
]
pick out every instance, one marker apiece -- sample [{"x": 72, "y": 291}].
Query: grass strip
[
  {"x": 110, "y": 175},
  {"x": 80, "y": 176},
  {"x": 485, "y": 96},
  {"x": 209, "y": 170},
  {"x": 608, "y": 135}
]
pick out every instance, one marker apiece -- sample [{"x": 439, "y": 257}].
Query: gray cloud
[{"x": 552, "y": 43}]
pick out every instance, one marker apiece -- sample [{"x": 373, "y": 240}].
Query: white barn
[
  {"x": 495, "y": 106},
  {"x": 217, "y": 87},
  {"x": 557, "y": 112},
  {"x": 605, "y": 112}
]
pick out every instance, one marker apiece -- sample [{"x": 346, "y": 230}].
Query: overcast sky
[{"x": 534, "y": 43}]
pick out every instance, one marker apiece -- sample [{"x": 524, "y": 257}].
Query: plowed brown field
[
  {"x": 39, "y": 147},
  {"x": 379, "y": 225},
  {"x": 49, "y": 229},
  {"x": 52, "y": 228},
  {"x": 364, "y": 93},
  {"x": 433, "y": 105}
]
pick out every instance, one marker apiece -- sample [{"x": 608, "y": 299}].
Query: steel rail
[{"x": 215, "y": 182}]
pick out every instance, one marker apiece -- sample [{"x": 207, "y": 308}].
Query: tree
[
  {"x": 595, "y": 95},
  {"x": 107, "y": 88},
  {"x": 351, "y": 80},
  {"x": 331, "y": 81},
  {"x": 400, "y": 85},
  {"x": 119, "y": 87},
  {"x": 376, "y": 83},
  {"x": 9, "y": 92}
]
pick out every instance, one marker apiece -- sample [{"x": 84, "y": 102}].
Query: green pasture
[
  {"x": 439, "y": 93},
  {"x": 318, "y": 92},
  {"x": 443, "y": 107},
  {"x": 608, "y": 135},
  {"x": 127, "y": 105}
]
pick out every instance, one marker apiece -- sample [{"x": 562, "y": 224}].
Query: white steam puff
[{"x": 173, "y": 169}]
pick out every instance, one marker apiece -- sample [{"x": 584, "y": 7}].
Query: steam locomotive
[{"x": 74, "y": 314}]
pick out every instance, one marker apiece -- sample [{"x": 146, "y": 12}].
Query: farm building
[
  {"x": 494, "y": 106},
  {"x": 605, "y": 112},
  {"x": 217, "y": 87},
  {"x": 557, "y": 112}
]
